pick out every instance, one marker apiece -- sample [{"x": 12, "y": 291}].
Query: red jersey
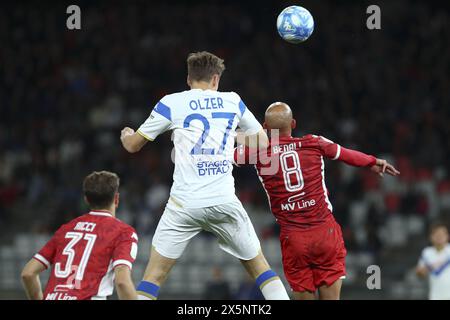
[
  {"x": 83, "y": 254},
  {"x": 293, "y": 175}
]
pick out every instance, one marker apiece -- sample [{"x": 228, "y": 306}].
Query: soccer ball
[{"x": 295, "y": 24}]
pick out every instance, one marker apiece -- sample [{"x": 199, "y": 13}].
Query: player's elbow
[
  {"x": 27, "y": 274},
  {"x": 132, "y": 148},
  {"x": 123, "y": 284},
  {"x": 125, "y": 289},
  {"x": 123, "y": 278}
]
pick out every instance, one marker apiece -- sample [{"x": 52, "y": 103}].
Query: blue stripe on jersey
[
  {"x": 163, "y": 110},
  {"x": 439, "y": 270},
  {"x": 242, "y": 107}
]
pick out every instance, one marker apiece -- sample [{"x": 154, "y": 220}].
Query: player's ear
[
  {"x": 86, "y": 200},
  {"x": 215, "y": 81},
  {"x": 265, "y": 125},
  {"x": 293, "y": 124},
  {"x": 116, "y": 200},
  {"x": 188, "y": 81}
]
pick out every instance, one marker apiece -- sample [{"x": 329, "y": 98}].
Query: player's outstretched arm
[
  {"x": 30, "y": 279},
  {"x": 131, "y": 140},
  {"x": 124, "y": 284},
  {"x": 360, "y": 159}
]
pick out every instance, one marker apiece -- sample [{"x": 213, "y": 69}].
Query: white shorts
[{"x": 229, "y": 222}]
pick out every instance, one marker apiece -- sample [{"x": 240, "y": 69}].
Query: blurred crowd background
[{"x": 65, "y": 95}]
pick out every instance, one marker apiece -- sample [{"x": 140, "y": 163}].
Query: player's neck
[
  {"x": 111, "y": 211},
  {"x": 202, "y": 85},
  {"x": 285, "y": 133},
  {"x": 440, "y": 247}
]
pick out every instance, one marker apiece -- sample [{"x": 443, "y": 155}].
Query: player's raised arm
[
  {"x": 253, "y": 134},
  {"x": 131, "y": 140},
  {"x": 356, "y": 158},
  {"x": 159, "y": 121},
  {"x": 30, "y": 279}
]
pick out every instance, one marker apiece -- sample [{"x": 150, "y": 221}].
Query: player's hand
[
  {"x": 421, "y": 272},
  {"x": 382, "y": 166},
  {"x": 126, "y": 132}
]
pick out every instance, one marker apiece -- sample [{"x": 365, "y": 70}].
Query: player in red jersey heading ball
[
  {"x": 312, "y": 245},
  {"x": 89, "y": 253}
]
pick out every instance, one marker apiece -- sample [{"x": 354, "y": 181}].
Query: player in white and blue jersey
[
  {"x": 204, "y": 122},
  {"x": 435, "y": 263}
]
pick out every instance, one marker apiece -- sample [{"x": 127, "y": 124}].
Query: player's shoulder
[
  {"x": 234, "y": 99},
  {"x": 308, "y": 139},
  {"x": 232, "y": 95},
  {"x": 447, "y": 248},
  {"x": 284, "y": 140},
  {"x": 123, "y": 227},
  {"x": 66, "y": 227},
  {"x": 428, "y": 251},
  {"x": 117, "y": 223},
  {"x": 170, "y": 99},
  {"x": 314, "y": 139},
  {"x": 113, "y": 228}
]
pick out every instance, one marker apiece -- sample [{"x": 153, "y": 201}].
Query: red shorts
[{"x": 313, "y": 257}]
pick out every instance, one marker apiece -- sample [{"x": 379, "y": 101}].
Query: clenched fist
[{"x": 126, "y": 132}]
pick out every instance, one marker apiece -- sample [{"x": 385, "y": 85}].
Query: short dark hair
[
  {"x": 99, "y": 188},
  {"x": 437, "y": 225},
  {"x": 203, "y": 65}
]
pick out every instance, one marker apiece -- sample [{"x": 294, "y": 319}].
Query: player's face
[{"x": 439, "y": 236}]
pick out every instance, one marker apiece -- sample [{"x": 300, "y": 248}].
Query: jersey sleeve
[
  {"x": 159, "y": 121},
  {"x": 328, "y": 148},
  {"x": 47, "y": 254},
  {"x": 351, "y": 157},
  {"x": 247, "y": 121},
  {"x": 125, "y": 249},
  {"x": 423, "y": 260}
]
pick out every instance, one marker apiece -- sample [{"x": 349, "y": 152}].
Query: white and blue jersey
[
  {"x": 204, "y": 126},
  {"x": 438, "y": 265}
]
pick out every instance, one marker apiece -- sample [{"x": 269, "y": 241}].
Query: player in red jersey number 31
[
  {"x": 88, "y": 254},
  {"x": 312, "y": 245}
]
